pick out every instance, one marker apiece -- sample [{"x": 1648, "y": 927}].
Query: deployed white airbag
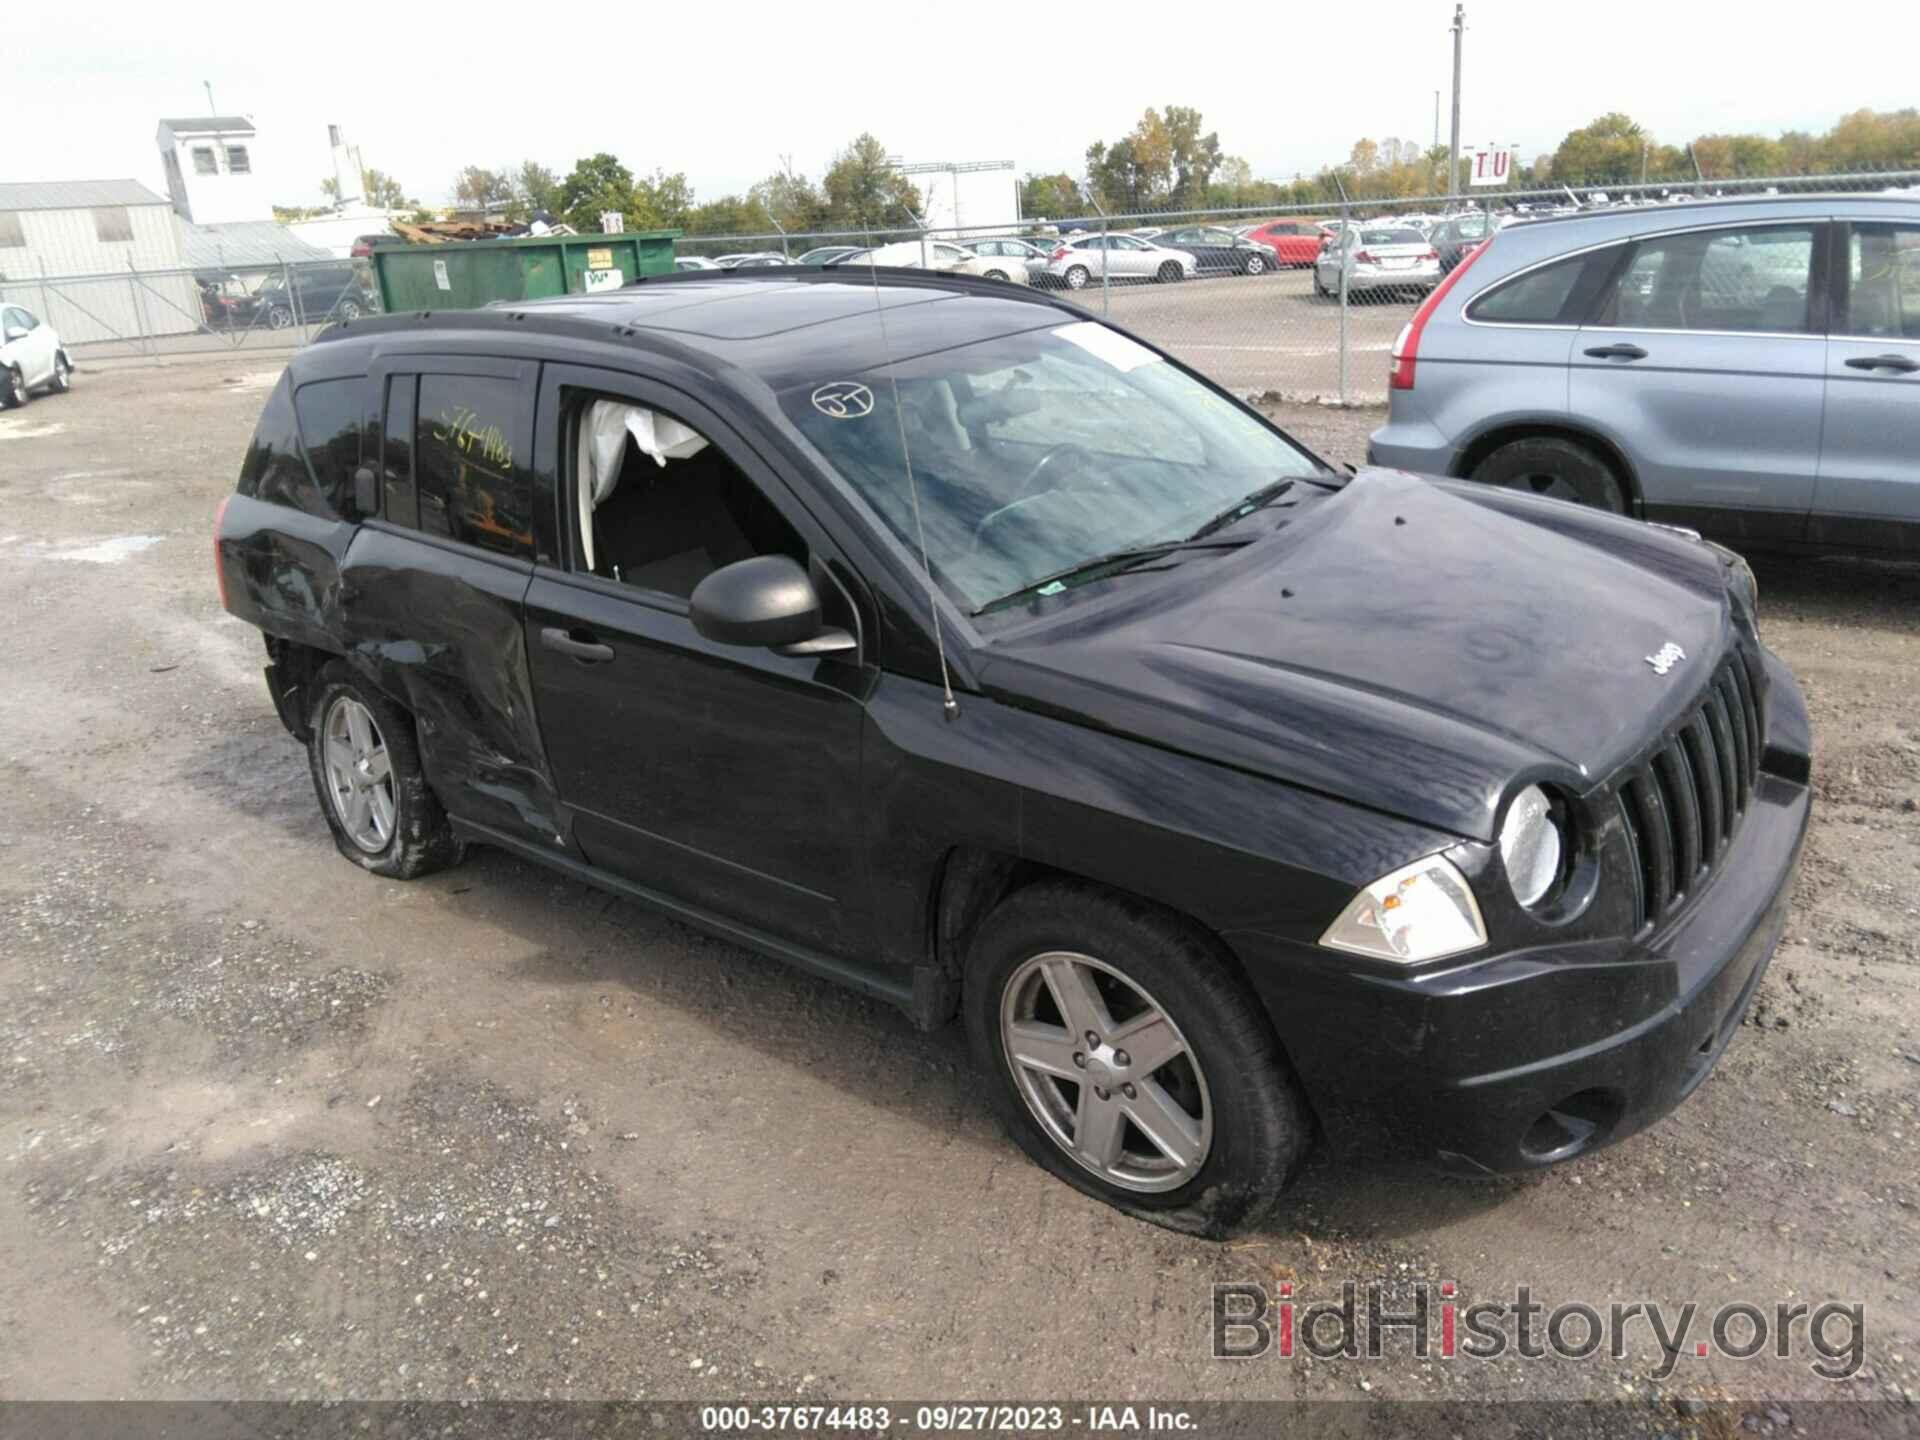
[{"x": 603, "y": 439}]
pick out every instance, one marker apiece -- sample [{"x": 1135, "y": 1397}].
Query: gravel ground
[{"x": 271, "y": 1127}]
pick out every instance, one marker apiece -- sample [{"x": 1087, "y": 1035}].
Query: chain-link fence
[
  {"x": 171, "y": 312},
  {"x": 1303, "y": 301}
]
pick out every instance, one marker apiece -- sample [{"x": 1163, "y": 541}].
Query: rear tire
[
  {"x": 382, "y": 814},
  {"x": 1554, "y": 467},
  {"x": 1077, "y": 277},
  {"x": 1242, "y": 1124},
  {"x": 62, "y": 380}
]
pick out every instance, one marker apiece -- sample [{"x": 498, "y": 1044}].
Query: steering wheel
[
  {"x": 1041, "y": 466},
  {"x": 1029, "y": 487}
]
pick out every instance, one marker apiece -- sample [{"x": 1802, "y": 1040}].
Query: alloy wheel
[
  {"x": 359, "y": 774},
  {"x": 1105, "y": 1072}
]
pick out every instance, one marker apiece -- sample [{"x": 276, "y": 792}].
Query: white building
[
  {"x": 69, "y": 250},
  {"x": 210, "y": 173}
]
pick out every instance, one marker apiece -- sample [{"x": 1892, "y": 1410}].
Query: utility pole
[{"x": 1453, "y": 148}]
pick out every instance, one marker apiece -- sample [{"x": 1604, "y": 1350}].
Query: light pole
[{"x": 1453, "y": 147}]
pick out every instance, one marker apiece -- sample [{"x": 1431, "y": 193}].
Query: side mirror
[
  {"x": 768, "y": 601},
  {"x": 14, "y": 332}
]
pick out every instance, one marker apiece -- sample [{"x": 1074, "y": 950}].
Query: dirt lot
[{"x": 273, "y": 1127}]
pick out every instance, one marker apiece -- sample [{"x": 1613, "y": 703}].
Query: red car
[{"x": 1293, "y": 242}]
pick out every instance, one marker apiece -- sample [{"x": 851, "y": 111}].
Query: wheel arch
[
  {"x": 1610, "y": 454},
  {"x": 972, "y": 881}
]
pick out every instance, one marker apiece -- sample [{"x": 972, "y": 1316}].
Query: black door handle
[
  {"x": 1617, "y": 352},
  {"x": 588, "y": 652},
  {"x": 1884, "y": 362}
]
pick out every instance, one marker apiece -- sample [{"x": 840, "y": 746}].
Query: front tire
[
  {"x": 1558, "y": 468},
  {"x": 13, "y": 388},
  {"x": 1168, "y": 273},
  {"x": 1255, "y": 265},
  {"x": 999, "y": 275},
  {"x": 1127, "y": 1058},
  {"x": 365, "y": 761}
]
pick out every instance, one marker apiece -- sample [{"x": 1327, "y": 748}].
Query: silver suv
[{"x": 1747, "y": 367}]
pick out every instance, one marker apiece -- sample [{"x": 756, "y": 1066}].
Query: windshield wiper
[
  {"x": 1119, "y": 562},
  {"x": 1244, "y": 506}
]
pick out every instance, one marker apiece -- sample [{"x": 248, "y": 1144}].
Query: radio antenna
[{"x": 949, "y": 707}]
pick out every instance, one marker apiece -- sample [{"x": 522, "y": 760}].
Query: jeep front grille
[{"x": 1683, "y": 805}]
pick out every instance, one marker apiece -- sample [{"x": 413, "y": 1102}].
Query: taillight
[
  {"x": 1406, "y": 347},
  {"x": 1431, "y": 255},
  {"x": 1060, "y": 253},
  {"x": 1363, "y": 257},
  {"x": 219, "y": 570}
]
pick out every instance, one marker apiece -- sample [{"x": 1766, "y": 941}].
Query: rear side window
[
  {"x": 332, "y": 416},
  {"x": 471, "y": 485},
  {"x": 274, "y": 469},
  {"x": 1550, "y": 295}
]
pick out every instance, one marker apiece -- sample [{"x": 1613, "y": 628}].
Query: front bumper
[{"x": 1524, "y": 1059}]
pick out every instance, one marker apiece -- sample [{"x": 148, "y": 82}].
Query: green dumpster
[{"x": 465, "y": 274}]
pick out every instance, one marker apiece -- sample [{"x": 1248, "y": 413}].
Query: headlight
[
  {"x": 1423, "y": 911},
  {"x": 1531, "y": 846}
]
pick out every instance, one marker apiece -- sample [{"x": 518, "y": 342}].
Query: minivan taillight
[
  {"x": 1406, "y": 348},
  {"x": 219, "y": 570}
]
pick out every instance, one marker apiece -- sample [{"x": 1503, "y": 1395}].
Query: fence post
[
  {"x": 1106, "y": 268},
  {"x": 139, "y": 310},
  {"x": 293, "y": 302},
  {"x": 1345, "y": 223}
]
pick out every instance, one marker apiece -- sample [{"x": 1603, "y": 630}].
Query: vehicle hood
[{"x": 1415, "y": 646}]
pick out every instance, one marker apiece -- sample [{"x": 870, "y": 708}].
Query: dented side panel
[{"x": 438, "y": 628}]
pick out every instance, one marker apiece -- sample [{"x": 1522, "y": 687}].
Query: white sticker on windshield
[
  {"x": 1108, "y": 345},
  {"x": 844, "y": 400}
]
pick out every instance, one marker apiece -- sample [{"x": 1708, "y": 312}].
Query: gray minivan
[{"x": 1750, "y": 368}]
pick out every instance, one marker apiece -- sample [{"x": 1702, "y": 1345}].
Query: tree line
[{"x": 1168, "y": 161}]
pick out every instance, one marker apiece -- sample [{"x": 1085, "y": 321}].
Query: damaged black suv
[{"x": 938, "y": 640}]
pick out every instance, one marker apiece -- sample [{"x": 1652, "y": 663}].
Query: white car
[
  {"x": 1087, "y": 256},
  {"x": 693, "y": 262},
  {"x": 940, "y": 255},
  {"x": 751, "y": 260},
  {"x": 31, "y": 358},
  {"x": 1378, "y": 257}
]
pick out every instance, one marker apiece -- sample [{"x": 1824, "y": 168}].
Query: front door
[
  {"x": 1869, "y": 491},
  {"x": 718, "y": 775},
  {"x": 1706, "y": 364}
]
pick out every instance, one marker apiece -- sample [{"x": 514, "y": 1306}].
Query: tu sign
[{"x": 1492, "y": 165}]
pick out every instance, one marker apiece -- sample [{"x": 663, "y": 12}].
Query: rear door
[
  {"x": 718, "y": 775},
  {"x": 432, "y": 588},
  {"x": 1869, "y": 487},
  {"x": 1704, "y": 362}
]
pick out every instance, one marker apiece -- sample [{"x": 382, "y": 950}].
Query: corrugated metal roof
[
  {"x": 208, "y": 124},
  {"x": 73, "y": 194},
  {"x": 242, "y": 244}
]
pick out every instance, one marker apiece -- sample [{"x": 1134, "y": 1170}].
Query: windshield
[{"x": 1036, "y": 452}]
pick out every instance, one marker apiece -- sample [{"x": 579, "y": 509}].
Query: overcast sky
[{"x": 723, "y": 92}]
